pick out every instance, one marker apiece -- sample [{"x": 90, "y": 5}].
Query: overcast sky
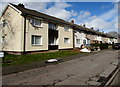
[{"x": 100, "y": 15}]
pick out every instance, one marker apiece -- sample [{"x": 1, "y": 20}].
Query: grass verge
[{"x": 24, "y": 59}]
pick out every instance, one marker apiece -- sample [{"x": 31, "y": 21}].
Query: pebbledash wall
[
  {"x": 39, "y": 31},
  {"x": 13, "y": 33},
  {"x": 65, "y": 34},
  {"x": 43, "y": 32},
  {"x": 79, "y": 38}
]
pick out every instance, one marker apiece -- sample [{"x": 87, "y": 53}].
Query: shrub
[{"x": 102, "y": 45}]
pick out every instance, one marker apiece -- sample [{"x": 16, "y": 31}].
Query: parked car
[
  {"x": 88, "y": 46},
  {"x": 116, "y": 46}
]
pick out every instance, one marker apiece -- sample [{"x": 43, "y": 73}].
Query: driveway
[{"x": 73, "y": 72}]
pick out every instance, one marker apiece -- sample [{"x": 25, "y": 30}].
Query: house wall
[
  {"x": 81, "y": 36},
  {"x": 65, "y": 34},
  {"x": 110, "y": 40},
  {"x": 104, "y": 40},
  {"x": 15, "y": 42},
  {"x": 91, "y": 37},
  {"x": 115, "y": 40},
  {"x": 12, "y": 30},
  {"x": 39, "y": 31},
  {"x": 98, "y": 38}
]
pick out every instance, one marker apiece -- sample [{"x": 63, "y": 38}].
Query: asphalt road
[{"x": 74, "y": 72}]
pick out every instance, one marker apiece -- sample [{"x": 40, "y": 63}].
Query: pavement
[{"x": 78, "y": 71}]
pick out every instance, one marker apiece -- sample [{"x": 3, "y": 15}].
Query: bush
[{"x": 102, "y": 45}]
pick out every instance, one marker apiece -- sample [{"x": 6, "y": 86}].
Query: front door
[{"x": 53, "y": 37}]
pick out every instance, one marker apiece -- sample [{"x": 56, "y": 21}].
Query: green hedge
[{"x": 102, "y": 45}]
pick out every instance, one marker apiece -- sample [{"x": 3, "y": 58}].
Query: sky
[{"x": 99, "y": 15}]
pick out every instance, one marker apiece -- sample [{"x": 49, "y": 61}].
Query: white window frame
[
  {"x": 34, "y": 22},
  {"x": 66, "y": 27},
  {"x": 34, "y": 42},
  {"x": 77, "y": 41},
  {"x": 85, "y": 41},
  {"x": 55, "y": 42},
  {"x": 68, "y": 40},
  {"x": 55, "y": 26},
  {"x": 2, "y": 39}
]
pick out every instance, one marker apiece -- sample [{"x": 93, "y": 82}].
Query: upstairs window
[
  {"x": 66, "y": 40},
  {"x": 53, "y": 26},
  {"x": 36, "y": 22},
  {"x": 36, "y": 40},
  {"x": 78, "y": 41},
  {"x": 66, "y": 28},
  {"x": 84, "y": 41}
]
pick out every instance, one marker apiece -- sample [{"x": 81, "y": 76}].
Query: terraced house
[
  {"x": 25, "y": 31},
  {"x": 83, "y": 35}
]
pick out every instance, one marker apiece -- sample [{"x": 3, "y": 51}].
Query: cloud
[
  {"x": 58, "y": 10},
  {"x": 105, "y": 22},
  {"x": 105, "y": 6},
  {"x": 99, "y": 23},
  {"x": 73, "y": 13},
  {"x": 36, "y": 6},
  {"x": 61, "y": 5},
  {"x": 83, "y": 15},
  {"x": 110, "y": 14}
]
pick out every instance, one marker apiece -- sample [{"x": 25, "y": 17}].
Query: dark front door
[{"x": 53, "y": 37}]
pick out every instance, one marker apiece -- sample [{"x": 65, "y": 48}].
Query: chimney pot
[
  {"x": 84, "y": 25},
  {"x": 91, "y": 27},
  {"x": 72, "y": 21},
  {"x": 21, "y": 5}
]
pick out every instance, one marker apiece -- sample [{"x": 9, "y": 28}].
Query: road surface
[{"x": 73, "y": 72}]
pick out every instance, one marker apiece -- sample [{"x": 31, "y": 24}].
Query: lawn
[{"x": 23, "y": 59}]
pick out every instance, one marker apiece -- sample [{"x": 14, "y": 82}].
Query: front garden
[{"x": 10, "y": 59}]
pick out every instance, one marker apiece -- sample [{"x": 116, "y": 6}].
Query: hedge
[{"x": 102, "y": 45}]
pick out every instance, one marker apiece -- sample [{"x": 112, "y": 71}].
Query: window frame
[
  {"x": 34, "y": 21},
  {"x": 68, "y": 40},
  {"x": 85, "y": 41},
  {"x": 67, "y": 27},
  {"x": 34, "y": 42},
  {"x": 77, "y": 41},
  {"x": 54, "y": 26}
]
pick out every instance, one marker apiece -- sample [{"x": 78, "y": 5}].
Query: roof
[{"x": 26, "y": 11}]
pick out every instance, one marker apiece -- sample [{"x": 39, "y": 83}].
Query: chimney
[
  {"x": 84, "y": 25},
  {"x": 21, "y": 5},
  {"x": 98, "y": 30},
  {"x": 72, "y": 21},
  {"x": 92, "y": 28}
]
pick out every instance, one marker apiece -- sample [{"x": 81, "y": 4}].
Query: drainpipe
[
  {"x": 73, "y": 39},
  {"x": 24, "y": 43}
]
